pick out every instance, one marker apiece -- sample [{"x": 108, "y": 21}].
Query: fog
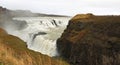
[
  {"x": 65, "y": 7},
  {"x": 7, "y": 23}
]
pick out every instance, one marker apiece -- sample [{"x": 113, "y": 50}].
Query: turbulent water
[{"x": 41, "y": 33}]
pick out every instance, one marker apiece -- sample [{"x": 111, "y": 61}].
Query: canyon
[{"x": 39, "y": 32}]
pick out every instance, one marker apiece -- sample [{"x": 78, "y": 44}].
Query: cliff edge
[{"x": 91, "y": 40}]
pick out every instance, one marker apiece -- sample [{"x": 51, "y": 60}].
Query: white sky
[{"x": 65, "y": 7}]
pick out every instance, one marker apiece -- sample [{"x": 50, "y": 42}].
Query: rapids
[{"x": 41, "y": 33}]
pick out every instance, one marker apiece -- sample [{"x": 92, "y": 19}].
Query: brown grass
[{"x": 13, "y": 51}]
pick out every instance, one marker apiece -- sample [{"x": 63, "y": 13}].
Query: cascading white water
[{"x": 42, "y": 33}]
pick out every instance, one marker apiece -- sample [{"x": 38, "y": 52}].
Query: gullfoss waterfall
[{"x": 41, "y": 33}]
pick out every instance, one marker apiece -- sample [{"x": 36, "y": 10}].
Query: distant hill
[{"x": 26, "y": 13}]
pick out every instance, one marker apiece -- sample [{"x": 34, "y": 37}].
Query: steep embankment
[
  {"x": 14, "y": 51},
  {"x": 91, "y": 40}
]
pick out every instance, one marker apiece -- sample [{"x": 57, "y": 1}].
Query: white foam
[{"x": 46, "y": 44}]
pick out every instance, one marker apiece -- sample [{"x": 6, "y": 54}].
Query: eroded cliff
[
  {"x": 91, "y": 40},
  {"x": 13, "y": 51}
]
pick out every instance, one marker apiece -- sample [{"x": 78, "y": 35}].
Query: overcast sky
[{"x": 65, "y": 7}]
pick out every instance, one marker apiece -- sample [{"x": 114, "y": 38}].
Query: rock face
[
  {"x": 91, "y": 40},
  {"x": 14, "y": 51}
]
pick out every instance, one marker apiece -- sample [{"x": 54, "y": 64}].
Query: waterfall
[
  {"x": 45, "y": 46},
  {"x": 42, "y": 33}
]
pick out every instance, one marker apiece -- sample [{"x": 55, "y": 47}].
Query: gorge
[
  {"x": 40, "y": 32},
  {"x": 23, "y": 32},
  {"x": 14, "y": 51}
]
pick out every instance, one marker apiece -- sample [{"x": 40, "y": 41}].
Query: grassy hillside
[{"x": 13, "y": 51}]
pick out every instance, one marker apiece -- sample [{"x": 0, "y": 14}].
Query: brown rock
[{"x": 91, "y": 40}]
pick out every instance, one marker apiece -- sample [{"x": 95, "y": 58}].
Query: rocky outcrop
[
  {"x": 14, "y": 51},
  {"x": 91, "y": 40}
]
